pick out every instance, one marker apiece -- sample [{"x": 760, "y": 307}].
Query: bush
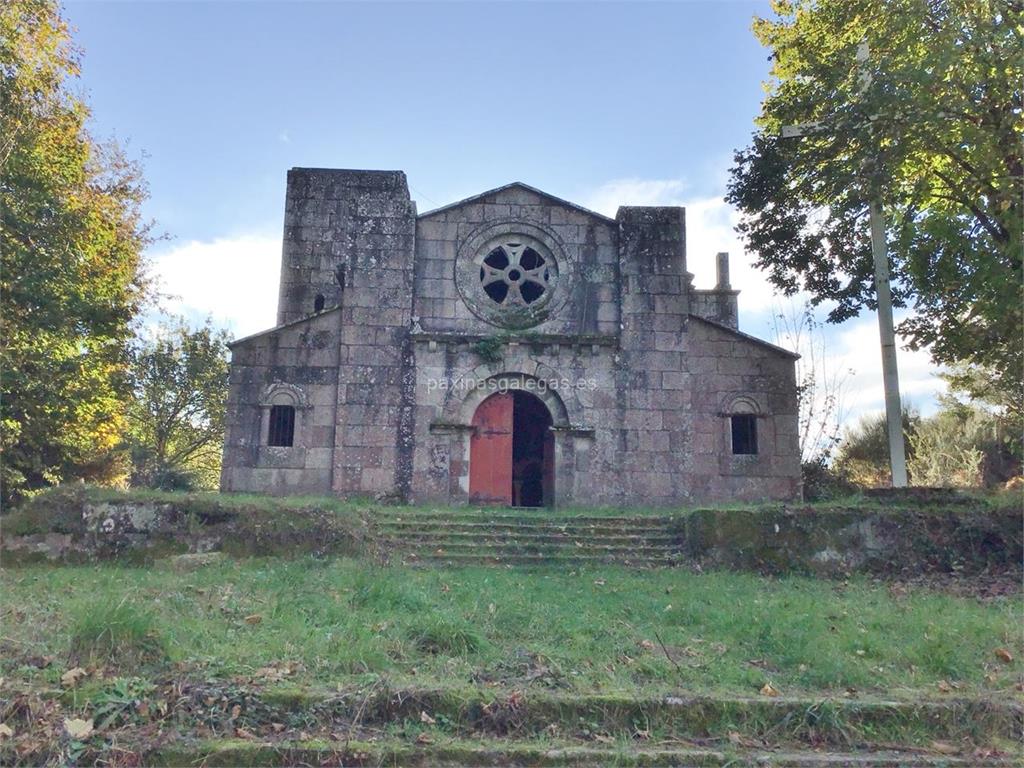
[
  {"x": 960, "y": 446},
  {"x": 863, "y": 455},
  {"x": 823, "y": 483}
]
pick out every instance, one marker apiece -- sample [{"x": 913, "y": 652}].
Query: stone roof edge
[
  {"x": 747, "y": 337},
  {"x": 251, "y": 336},
  {"x": 521, "y": 185}
]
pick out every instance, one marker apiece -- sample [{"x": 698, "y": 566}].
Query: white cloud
[
  {"x": 609, "y": 196},
  {"x": 233, "y": 280},
  {"x": 710, "y": 229},
  {"x": 856, "y": 345}
]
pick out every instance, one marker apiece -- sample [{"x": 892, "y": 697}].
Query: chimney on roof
[{"x": 723, "y": 272}]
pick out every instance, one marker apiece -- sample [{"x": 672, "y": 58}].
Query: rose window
[{"x": 515, "y": 275}]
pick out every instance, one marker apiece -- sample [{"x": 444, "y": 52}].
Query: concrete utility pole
[{"x": 883, "y": 292}]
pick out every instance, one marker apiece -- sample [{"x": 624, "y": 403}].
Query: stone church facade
[{"x": 511, "y": 348}]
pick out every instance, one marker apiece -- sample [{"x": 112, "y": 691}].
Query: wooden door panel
[{"x": 490, "y": 451}]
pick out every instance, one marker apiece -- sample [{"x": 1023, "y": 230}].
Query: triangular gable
[
  {"x": 747, "y": 337},
  {"x": 276, "y": 328},
  {"x": 517, "y": 185}
]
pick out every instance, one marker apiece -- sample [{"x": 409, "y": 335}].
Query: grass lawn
[{"x": 608, "y": 630}]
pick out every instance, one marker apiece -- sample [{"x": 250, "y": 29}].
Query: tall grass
[{"x": 111, "y": 631}]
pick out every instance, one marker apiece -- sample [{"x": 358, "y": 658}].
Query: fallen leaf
[
  {"x": 244, "y": 734},
  {"x": 5, "y": 731},
  {"x": 236, "y": 711},
  {"x": 254, "y": 618},
  {"x": 1004, "y": 655},
  {"x": 944, "y": 686},
  {"x": 277, "y": 727},
  {"x": 602, "y": 739},
  {"x": 944, "y": 747},
  {"x": 424, "y": 738},
  {"x": 70, "y": 678},
  {"x": 77, "y": 729},
  {"x": 425, "y": 718},
  {"x": 445, "y": 588},
  {"x": 769, "y": 690},
  {"x": 647, "y": 645}
]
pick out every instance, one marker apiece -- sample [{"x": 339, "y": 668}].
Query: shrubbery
[{"x": 962, "y": 446}]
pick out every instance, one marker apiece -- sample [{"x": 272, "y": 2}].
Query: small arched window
[
  {"x": 744, "y": 434},
  {"x": 743, "y": 414},
  {"x": 282, "y": 426}
]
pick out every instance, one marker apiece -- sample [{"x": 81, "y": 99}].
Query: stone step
[
  {"x": 491, "y": 547},
  {"x": 446, "y": 752},
  {"x": 529, "y": 537},
  {"x": 469, "y": 527},
  {"x": 537, "y": 519},
  {"x": 535, "y": 560}
]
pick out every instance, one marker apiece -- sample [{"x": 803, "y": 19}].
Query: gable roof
[
  {"x": 518, "y": 185},
  {"x": 747, "y": 337}
]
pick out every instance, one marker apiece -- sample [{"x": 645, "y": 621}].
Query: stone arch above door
[{"x": 474, "y": 386}]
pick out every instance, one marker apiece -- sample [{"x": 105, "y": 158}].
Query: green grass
[{"x": 588, "y": 630}]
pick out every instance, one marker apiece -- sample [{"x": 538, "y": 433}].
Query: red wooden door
[{"x": 490, "y": 451}]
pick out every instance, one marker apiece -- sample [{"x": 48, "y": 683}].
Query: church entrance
[{"x": 512, "y": 451}]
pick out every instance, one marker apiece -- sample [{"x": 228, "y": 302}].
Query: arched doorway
[{"x": 512, "y": 451}]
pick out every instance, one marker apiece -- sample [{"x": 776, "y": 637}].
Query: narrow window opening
[
  {"x": 744, "y": 434},
  {"x": 318, "y": 303},
  {"x": 282, "y": 426},
  {"x": 339, "y": 276}
]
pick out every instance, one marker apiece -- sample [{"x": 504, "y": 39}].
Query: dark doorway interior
[{"x": 533, "y": 452}]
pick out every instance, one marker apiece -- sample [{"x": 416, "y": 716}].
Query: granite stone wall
[
  {"x": 296, "y": 365},
  {"x": 640, "y": 371}
]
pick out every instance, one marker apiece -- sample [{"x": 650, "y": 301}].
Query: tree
[
  {"x": 821, "y": 384},
  {"x": 70, "y": 264},
  {"x": 180, "y": 382},
  {"x": 935, "y": 135}
]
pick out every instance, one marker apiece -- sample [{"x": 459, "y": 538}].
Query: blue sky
[{"x": 600, "y": 103}]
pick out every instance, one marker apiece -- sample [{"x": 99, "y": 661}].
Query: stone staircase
[{"x": 525, "y": 538}]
